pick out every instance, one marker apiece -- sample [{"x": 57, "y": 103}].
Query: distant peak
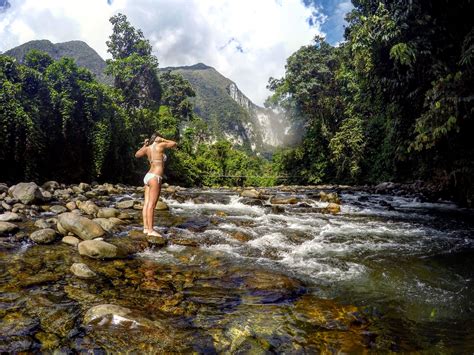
[{"x": 198, "y": 66}]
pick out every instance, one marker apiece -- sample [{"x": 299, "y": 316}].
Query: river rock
[
  {"x": 69, "y": 239},
  {"x": 42, "y": 224},
  {"x": 252, "y": 201},
  {"x": 240, "y": 236},
  {"x": 7, "y": 227},
  {"x": 195, "y": 224},
  {"x": 43, "y": 236},
  {"x": 83, "y": 227},
  {"x": 161, "y": 206},
  {"x": 282, "y": 200},
  {"x": 6, "y": 206},
  {"x": 82, "y": 270},
  {"x": 105, "y": 309},
  {"x": 329, "y": 197},
  {"x": 3, "y": 188},
  {"x": 107, "y": 212},
  {"x": 169, "y": 189},
  {"x": 47, "y": 196},
  {"x": 58, "y": 209},
  {"x": 88, "y": 207},
  {"x": 252, "y": 193},
  {"x": 26, "y": 192},
  {"x": 9, "y": 217},
  {"x": 333, "y": 208},
  {"x": 71, "y": 205},
  {"x": 105, "y": 223},
  {"x": 124, "y": 215},
  {"x": 156, "y": 240},
  {"x": 125, "y": 204},
  {"x": 97, "y": 249},
  {"x": 84, "y": 186},
  {"x": 272, "y": 287},
  {"x": 50, "y": 186}
]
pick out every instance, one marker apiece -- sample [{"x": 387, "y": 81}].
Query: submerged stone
[
  {"x": 82, "y": 270},
  {"x": 43, "y": 236},
  {"x": 97, "y": 249}
]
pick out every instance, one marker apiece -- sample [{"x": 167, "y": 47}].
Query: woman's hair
[{"x": 153, "y": 137}]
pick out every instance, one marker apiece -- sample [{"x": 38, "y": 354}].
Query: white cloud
[{"x": 260, "y": 34}]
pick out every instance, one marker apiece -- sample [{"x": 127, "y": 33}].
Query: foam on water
[
  {"x": 234, "y": 206},
  {"x": 320, "y": 245}
]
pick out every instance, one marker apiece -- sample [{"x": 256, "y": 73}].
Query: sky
[{"x": 247, "y": 41}]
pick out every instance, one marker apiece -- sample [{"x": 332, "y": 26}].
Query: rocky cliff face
[{"x": 265, "y": 122}]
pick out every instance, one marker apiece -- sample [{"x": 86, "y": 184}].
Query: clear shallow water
[
  {"x": 409, "y": 261},
  {"x": 386, "y": 274}
]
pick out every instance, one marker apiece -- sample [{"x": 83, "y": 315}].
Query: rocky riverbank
[
  {"x": 284, "y": 269},
  {"x": 73, "y": 281}
]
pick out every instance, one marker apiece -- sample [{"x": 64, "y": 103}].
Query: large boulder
[
  {"x": 83, "y": 227},
  {"x": 97, "y": 249},
  {"x": 7, "y": 227},
  {"x": 43, "y": 236},
  {"x": 26, "y": 192}
]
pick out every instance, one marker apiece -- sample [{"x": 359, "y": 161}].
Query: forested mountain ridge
[
  {"x": 228, "y": 112},
  {"x": 80, "y": 51}
]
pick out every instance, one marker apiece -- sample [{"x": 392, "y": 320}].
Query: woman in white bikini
[{"x": 154, "y": 150}]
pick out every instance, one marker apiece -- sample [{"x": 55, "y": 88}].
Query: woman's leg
[
  {"x": 153, "y": 195},
  {"x": 144, "y": 211}
]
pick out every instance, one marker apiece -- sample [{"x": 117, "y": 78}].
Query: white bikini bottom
[{"x": 150, "y": 176}]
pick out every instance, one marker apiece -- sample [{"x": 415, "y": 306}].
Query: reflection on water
[{"x": 387, "y": 273}]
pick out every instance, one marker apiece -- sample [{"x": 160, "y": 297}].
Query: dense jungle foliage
[
  {"x": 59, "y": 123},
  {"x": 393, "y": 102}
]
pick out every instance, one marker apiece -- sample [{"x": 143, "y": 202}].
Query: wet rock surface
[
  {"x": 271, "y": 270},
  {"x": 80, "y": 226}
]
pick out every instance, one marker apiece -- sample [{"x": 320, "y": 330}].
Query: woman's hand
[{"x": 146, "y": 142}]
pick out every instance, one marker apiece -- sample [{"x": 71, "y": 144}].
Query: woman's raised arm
[{"x": 142, "y": 151}]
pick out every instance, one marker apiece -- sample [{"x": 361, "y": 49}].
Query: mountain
[
  {"x": 80, "y": 51},
  {"x": 227, "y": 110},
  {"x": 229, "y": 113}
]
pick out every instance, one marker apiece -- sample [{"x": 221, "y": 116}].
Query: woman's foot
[
  {"x": 154, "y": 234},
  {"x": 145, "y": 231}
]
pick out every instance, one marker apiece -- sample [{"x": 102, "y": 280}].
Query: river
[{"x": 387, "y": 273}]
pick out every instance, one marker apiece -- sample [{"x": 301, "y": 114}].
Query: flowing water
[{"x": 387, "y": 273}]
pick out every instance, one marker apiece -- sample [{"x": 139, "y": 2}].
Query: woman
[{"x": 154, "y": 150}]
